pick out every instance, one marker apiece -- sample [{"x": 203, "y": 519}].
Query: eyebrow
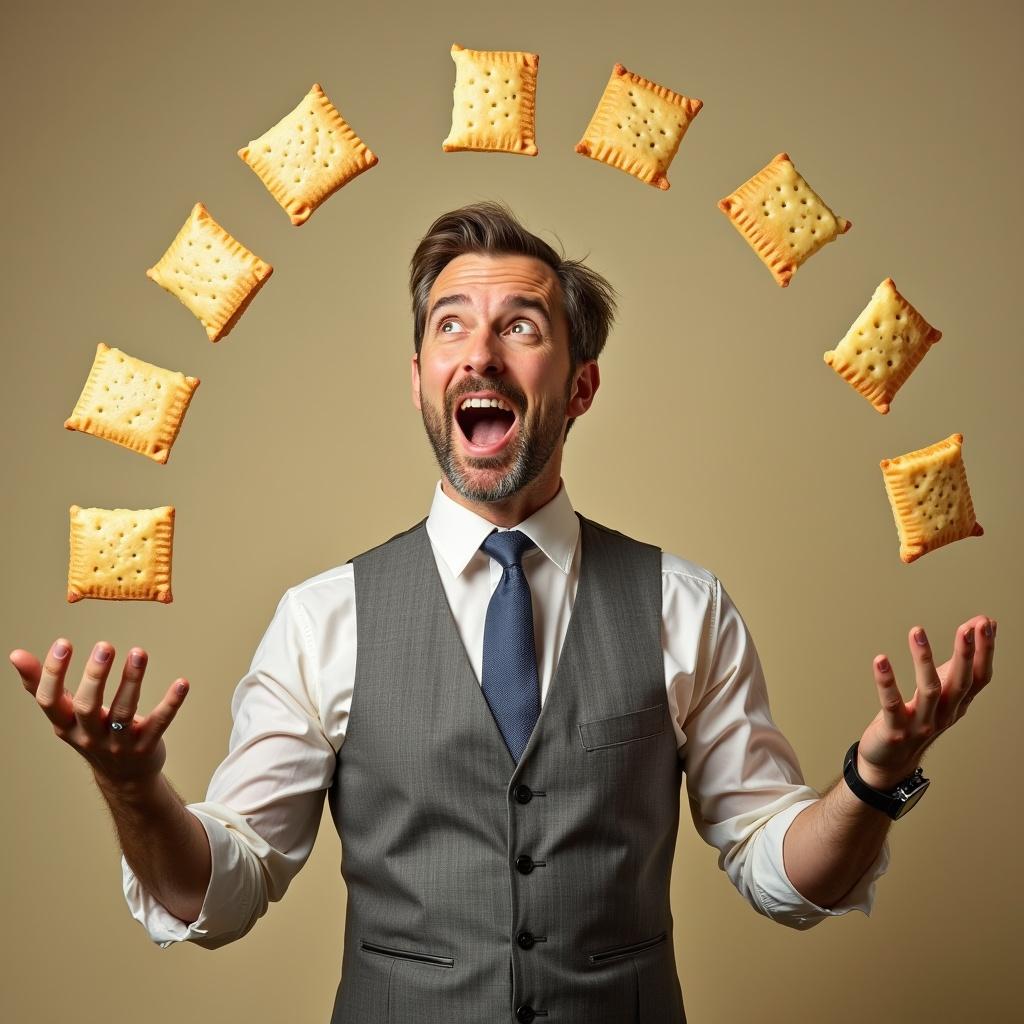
[{"x": 521, "y": 301}]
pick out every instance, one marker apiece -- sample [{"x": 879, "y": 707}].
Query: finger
[
  {"x": 984, "y": 652},
  {"x": 88, "y": 702},
  {"x": 929, "y": 686},
  {"x": 156, "y": 722},
  {"x": 126, "y": 700},
  {"x": 894, "y": 711},
  {"x": 46, "y": 681},
  {"x": 27, "y": 665},
  {"x": 960, "y": 669}
]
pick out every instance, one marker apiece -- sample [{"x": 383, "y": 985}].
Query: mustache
[{"x": 499, "y": 387}]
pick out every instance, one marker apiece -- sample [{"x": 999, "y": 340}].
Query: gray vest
[{"x": 484, "y": 891}]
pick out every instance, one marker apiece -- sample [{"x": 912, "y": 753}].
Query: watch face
[{"x": 911, "y": 800}]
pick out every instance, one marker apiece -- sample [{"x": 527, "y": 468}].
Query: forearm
[
  {"x": 831, "y": 843},
  {"x": 164, "y": 844}
]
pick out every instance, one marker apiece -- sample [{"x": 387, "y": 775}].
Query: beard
[{"x": 535, "y": 442}]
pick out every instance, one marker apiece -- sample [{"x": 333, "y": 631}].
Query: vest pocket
[
  {"x": 620, "y": 951},
  {"x": 634, "y": 725},
  {"x": 407, "y": 954}
]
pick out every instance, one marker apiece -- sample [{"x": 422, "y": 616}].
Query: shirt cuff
[
  {"x": 779, "y": 898},
  {"x": 229, "y": 905}
]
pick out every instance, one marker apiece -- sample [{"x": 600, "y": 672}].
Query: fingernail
[
  {"x": 988, "y": 629},
  {"x": 883, "y": 665},
  {"x": 101, "y": 653},
  {"x": 60, "y": 649},
  {"x": 138, "y": 659},
  {"x": 920, "y": 637},
  {"x": 969, "y": 635}
]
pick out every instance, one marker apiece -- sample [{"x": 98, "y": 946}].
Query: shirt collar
[{"x": 457, "y": 532}]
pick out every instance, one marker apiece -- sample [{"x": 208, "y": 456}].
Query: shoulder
[
  {"x": 676, "y": 572},
  {"x": 609, "y": 534},
  {"x": 338, "y": 576},
  {"x": 681, "y": 572},
  {"x": 671, "y": 565},
  {"x": 321, "y": 600},
  {"x": 690, "y": 593}
]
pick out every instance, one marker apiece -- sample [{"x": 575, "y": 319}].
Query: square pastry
[
  {"x": 782, "y": 218},
  {"x": 637, "y": 126},
  {"x": 882, "y": 348},
  {"x": 121, "y": 554},
  {"x": 930, "y": 499},
  {"x": 493, "y": 101},
  {"x": 308, "y": 155},
  {"x": 133, "y": 403},
  {"x": 213, "y": 274}
]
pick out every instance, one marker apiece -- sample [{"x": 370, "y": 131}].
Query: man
[{"x": 504, "y": 759}]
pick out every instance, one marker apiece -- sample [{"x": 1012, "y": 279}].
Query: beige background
[{"x": 718, "y": 433}]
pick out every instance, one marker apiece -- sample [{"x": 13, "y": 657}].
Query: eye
[
  {"x": 444, "y": 323},
  {"x": 528, "y": 323}
]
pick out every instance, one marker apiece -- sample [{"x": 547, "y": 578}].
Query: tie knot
[{"x": 507, "y": 548}]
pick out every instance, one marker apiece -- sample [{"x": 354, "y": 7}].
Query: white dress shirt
[{"x": 290, "y": 711}]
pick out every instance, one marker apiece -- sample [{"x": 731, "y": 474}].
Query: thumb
[{"x": 27, "y": 666}]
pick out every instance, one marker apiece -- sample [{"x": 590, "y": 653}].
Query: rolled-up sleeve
[
  {"x": 779, "y": 899},
  {"x": 265, "y": 800},
  {"x": 743, "y": 777}
]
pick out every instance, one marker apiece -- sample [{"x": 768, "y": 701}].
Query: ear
[
  {"x": 587, "y": 381},
  {"x": 415, "y": 381}
]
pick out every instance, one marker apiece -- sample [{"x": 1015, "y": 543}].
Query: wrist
[
  {"x": 880, "y": 790},
  {"x": 879, "y": 778},
  {"x": 135, "y": 792}
]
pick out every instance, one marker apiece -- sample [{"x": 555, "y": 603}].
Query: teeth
[{"x": 485, "y": 403}]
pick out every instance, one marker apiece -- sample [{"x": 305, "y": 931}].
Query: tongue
[{"x": 488, "y": 430}]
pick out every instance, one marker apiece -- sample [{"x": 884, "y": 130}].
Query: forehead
[{"x": 485, "y": 277}]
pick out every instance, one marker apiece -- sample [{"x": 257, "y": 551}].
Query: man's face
[{"x": 495, "y": 329}]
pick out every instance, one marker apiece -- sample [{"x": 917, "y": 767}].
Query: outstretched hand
[
  {"x": 893, "y": 744},
  {"x": 121, "y": 746}
]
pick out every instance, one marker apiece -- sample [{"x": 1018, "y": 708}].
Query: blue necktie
[{"x": 510, "y": 682}]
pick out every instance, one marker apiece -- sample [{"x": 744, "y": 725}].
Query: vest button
[
  {"x": 525, "y": 940},
  {"x": 525, "y": 1013},
  {"x": 523, "y": 793},
  {"x": 524, "y": 865}
]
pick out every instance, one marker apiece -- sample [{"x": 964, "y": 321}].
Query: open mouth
[{"x": 485, "y": 428}]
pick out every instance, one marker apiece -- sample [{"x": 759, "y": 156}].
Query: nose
[{"x": 483, "y": 352}]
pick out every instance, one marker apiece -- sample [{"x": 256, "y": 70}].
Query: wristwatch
[{"x": 897, "y": 801}]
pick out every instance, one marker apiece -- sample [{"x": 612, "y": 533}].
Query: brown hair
[{"x": 491, "y": 227}]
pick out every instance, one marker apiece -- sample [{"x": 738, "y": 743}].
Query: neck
[{"x": 514, "y": 509}]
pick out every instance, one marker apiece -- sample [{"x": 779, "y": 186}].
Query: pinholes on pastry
[
  {"x": 213, "y": 274},
  {"x": 493, "y": 102},
  {"x": 637, "y": 126},
  {"x": 882, "y": 348},
  {"x": 133, "y": 403},
  {"x": 782, "y": 218},
  {"x": 308, "y": 155},
  {"x": 121, "y": 554},
  {"x": 930, "y": 499}
]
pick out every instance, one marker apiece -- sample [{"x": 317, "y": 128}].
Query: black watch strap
[{"x": 897, "y": 801}]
